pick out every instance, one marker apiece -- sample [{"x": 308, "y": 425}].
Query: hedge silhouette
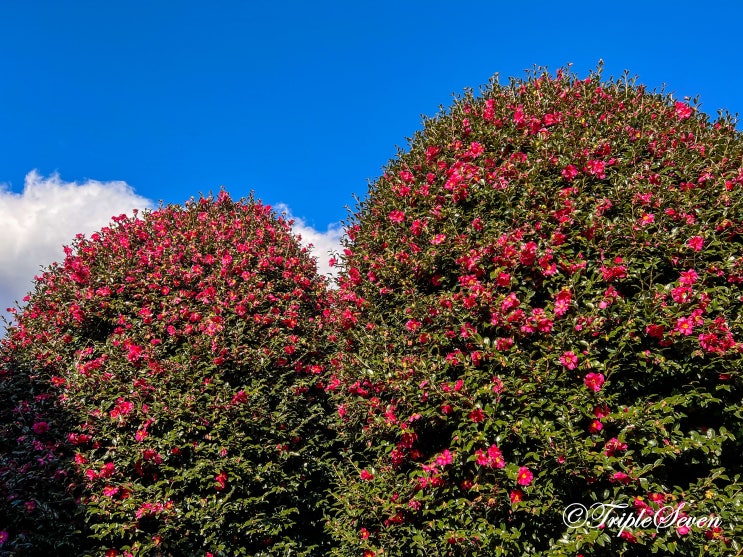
[
  {"x": 182, "y": 348},
  {"x": 538, "y": 314}
]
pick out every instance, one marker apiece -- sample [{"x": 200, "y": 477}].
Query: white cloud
[
  {"x": 36, "y": 223},
  {"x": 324, "y": 244},
  {"x": 47, "y": 215}
]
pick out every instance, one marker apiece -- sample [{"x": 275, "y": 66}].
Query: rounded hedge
[
  {"x": 540, "y": 311},
  {"x": 180, "y": 351}
]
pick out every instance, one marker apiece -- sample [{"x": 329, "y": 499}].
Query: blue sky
[{"x": 300, "y": 102}]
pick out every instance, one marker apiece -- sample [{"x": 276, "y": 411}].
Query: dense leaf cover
[{"x": 542, "y": 307}]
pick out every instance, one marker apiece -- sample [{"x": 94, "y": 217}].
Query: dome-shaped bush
[
  {"x": 182, "y": 347},
  {"x": 542, "y": 308}
]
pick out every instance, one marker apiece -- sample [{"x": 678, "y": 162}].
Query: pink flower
[
  {"x": 397, "y": 216},
  {"x": 476, "y": 149},
  {"x": 524, "y": 477},
  {"x": 683, "y": 110},
  {"x": 683, "y": 530},
  {"x": 134, "y": 353},
  {"x": 445, "y": 458},
  {"x": 497, "y": 385},
  {"x": 518, "y": 116},
  {"x": 492, "y": 459},
  {"x": 614, "y": 446},
  {"x": 122, "y": 408},
  {"x": 110, "y": 491},
  {"x": 596, "y": 168},
  {"x": 528, "y": 253},
  {"x": 107, "y": 470},
  {"x": 696, "y": 243},
  {"x": 550, "y": 119},
  {"x": 594, "y": 381},
  {"x": 681, "y": 294},
  {"x": 3, "y": 537},
  {"x": 562, "y": 302},
  {"x": 516, "y": 495},
  {"x": 569, "y": 359},
  {"x": 620, "y": 477},
  {"x": 595, "y": 426},
  {"x": 569, "y": 172},
  {"x": 647, "y": 218},
  {"x": 684, "y": 326},
  {"x": 688, "y": 278},
  {"x": 412, "y": 325}
]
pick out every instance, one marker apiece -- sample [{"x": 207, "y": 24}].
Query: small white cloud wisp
[
  {"x": 46, "y": 215},
  {"x": 324, "y": 244}
]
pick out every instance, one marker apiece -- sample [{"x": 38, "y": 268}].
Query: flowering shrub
[
  {"x": 540, "y": 306},
  {"x": 180, "y": 352}
]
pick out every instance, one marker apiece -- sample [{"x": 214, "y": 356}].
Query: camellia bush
[
  {"x": 168, "y": 376},
  {"x": 540, "y": 331}
]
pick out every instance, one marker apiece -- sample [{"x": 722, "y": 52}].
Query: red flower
[
  {"x": 655, "y": 331},
  {"x": 525, "y": 476},
  {"x": 40, "y": 427},
  {"x": 240, "y": 398},
  {"x": 516, "y": 495},
  {"x": 627, "y": 535},
  {"x": 366, "y": 475},
  {"x": 220, "y": 481},
  {"x": 477, "y": 415}
]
